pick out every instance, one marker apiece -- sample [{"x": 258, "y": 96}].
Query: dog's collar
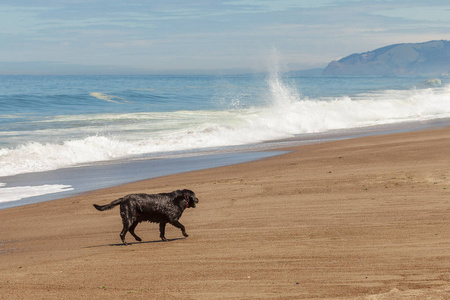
[{"x": 187, "y": 204}]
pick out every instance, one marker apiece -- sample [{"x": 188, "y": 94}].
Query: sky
[{"x": 205, "y": 36}]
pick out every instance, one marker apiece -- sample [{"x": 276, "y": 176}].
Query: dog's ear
[
  {"x": 177, "y": 194},
  {"x": 180, "y": 199},
  {"x": 188, "y": 193}
]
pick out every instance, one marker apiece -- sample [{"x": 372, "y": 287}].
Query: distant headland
[{"x": 429, "y": 58}]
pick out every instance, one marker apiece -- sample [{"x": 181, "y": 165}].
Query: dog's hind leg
[
  {"x": 127, "y": 220},
  {"x": 131, "y": 230},
  {"x": 123, "y": 232},
  {"x": 162, "y": 231},
  {"x": 127, "y": 225},
  {"x": 179, "y": 225}
]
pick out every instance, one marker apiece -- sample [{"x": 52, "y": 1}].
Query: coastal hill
[{"x": 400, "y": 59}]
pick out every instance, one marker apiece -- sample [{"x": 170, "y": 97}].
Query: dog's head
[{"x": 190, "y": 198}]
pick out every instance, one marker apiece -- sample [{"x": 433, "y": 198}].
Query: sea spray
[{"x": 282, "y": 94}]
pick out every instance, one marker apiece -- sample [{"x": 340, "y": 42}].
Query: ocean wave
[
  {"x": 109, "y": 98},
  {"x": 286, "y": 114}
]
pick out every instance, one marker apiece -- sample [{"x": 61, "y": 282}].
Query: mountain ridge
[{"x": 428, "y": 58}]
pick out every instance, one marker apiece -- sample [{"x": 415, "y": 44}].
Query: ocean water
[{"x": 58, "y": 124}]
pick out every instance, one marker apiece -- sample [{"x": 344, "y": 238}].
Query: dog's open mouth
[{"x": 192, "y": 203}]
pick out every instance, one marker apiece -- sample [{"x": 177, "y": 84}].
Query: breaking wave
[{"x": 286, "y": 114}]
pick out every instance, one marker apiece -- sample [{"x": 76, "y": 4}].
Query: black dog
[{"x": 158, "y": 208}]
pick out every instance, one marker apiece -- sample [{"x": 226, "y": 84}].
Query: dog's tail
[{"x": 108, "y": 206}]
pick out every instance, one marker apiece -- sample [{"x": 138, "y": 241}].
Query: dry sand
[{"x": 366, "y": 218}]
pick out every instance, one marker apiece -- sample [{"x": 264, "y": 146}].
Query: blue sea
[{"x": 63, "y": 135}]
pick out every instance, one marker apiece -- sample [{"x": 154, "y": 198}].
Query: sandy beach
[{"x": 364, "y": 218}]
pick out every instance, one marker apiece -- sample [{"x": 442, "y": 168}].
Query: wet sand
[{"x": 364, "y": 218}]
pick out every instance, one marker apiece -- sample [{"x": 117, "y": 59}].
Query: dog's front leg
[
  {"x": 162, "y": 231},
  {"x": 177, "y": 224}
]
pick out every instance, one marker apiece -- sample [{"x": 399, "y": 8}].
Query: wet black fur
[{"x": 158, "y": 208}]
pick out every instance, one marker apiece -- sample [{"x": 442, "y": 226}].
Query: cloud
[
  {"x": 429, "y": 14},
  {"x": 179, "y": 34}
]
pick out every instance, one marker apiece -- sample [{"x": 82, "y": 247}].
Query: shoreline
[
  {"x": 342, "y": 219},
  {"x": 79, "y": 180},
  {"x": 83, "y": 180}
]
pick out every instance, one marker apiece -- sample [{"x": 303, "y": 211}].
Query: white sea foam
[
  {"x": 285, "y": 115},
  {"x": 108, "y": 98},
  {"x": 8, "y": 194}
]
